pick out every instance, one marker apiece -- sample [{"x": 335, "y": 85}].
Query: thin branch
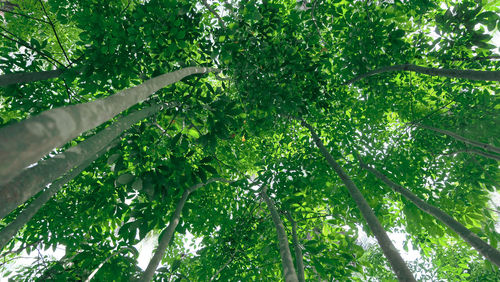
[
  {"x": 451, "y": 73},
  {"x": 475, "y": 151},
  {"x": 481, "y": 145},
  {"x": 205, "y": 3},
  {"x": 21, "y": 42},
  {"x": 23, "y": 15},
  {"x": 225, "y": 265},
  {"x": 316, "y": 24},
  {"x": 55, "y": 33}
]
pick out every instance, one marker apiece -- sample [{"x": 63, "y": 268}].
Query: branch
[
  {"x": 481, "y": 145},
  {"x": 23, "y": 15},
  {"x": 316, "y": 24},
  {"x": 27, "y": 45},
  {"x": 451, "y": 73},
  {"x": 205, "y": 3},
  {"x": 55, "y": 33},
  {"x": 225, "y": 265}
]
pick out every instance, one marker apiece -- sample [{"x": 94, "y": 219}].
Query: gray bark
[
  {"x": 24, "y": 77},
  {"x": 481, "y": 145},
  {"x": 169, "y": 231},
  {"x": 286, "y": 257},
  {"x": 391, "y": 253},
  {"x": 10, "y": 230},
  {"x": 299, "y": 259},
  {"x": 32, "y": 180},
  {"x": 482, "y": 247},
  {"x": 26, "y": 142},
  {"x": 452, "y": 73}
]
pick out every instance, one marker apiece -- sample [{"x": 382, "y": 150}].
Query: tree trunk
[
  {"x": 10, "y": 230},
  {"x": 391, "y": 253},
  {"x": 25, "y": 142},
  {"x": 169, "y": 231},
  {"x": 299, "y": 260},
  {"x": 481, "y": 145},
  {"x": 286, "y": 256},
  {"x": 32, "y": 180},
  {"x": 452, "y": 73},
  {"x": 482, "y": 247},
  {"x": 24, "y": 77}
]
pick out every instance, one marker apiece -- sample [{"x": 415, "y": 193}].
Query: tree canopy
[{"x": 277, "y": 132}]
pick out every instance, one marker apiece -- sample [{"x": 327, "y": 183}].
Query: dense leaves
[{"x": 279, "y": 62}]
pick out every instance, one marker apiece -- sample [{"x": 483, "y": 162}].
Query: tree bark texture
[
  {"x": 452, "y": 73},
  {"x": 391, "y": 253},
  {"x": 169, "y": 231},
  {"x": 32, "y": 180},
  {"x": 482, "y": 247},
  {"x": 25, "y": 142},
  {"x": 299, "y": 260},
  {"x": 286, "y": 257},
  {"x": 481, "y": 145},
  {"x": 10, "y": 230},
  {"x": 24, "y": 77}
]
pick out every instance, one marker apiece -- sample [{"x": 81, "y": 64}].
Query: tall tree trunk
[
  {"x": 24, "y": 77},
  {"x": 286, "y": 256},
  {"x": 25, "y": 142},
  {"x": 10, "y": 230},
  {"x": 482, "y": 247},
  {"x": 169, "y": 231},
  {"x": 299, "y": 260},
  {"x": 452, "y": 73},
  {"x": 391, "y": 253},
  {"x": 32, "y": 180},
  {"x": 481, "y": 145}
]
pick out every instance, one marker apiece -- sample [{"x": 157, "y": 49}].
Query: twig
[{"x": 55, "y": 33}]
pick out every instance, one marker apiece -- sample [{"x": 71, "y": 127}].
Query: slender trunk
[
  {"x": 482, "y": 247},
  {"x": 10, "y": 230},
  {"x": 169, "y": 231},
  {"x": 481, "y": 145},
  {"x": 286, "y": 256},
  {"x": 32, "y": 180},
  {"x": 24, "y": 77},
  {"x": 299, "y": 260},
  {"x": 391, "y": 253},
  {"x": 25, "y": 142},
  {"x": 452, "y": 73}
]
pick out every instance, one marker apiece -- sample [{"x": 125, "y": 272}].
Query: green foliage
[{"x": 281, "y": 62}]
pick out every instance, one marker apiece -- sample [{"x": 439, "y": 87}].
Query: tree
[{"x": 110, "y": 121}]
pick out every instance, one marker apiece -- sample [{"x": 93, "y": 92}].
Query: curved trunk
[
  {"x": 391, "y": 253},
  {"x": 452, "y": 73},
  {"x": 169, "y": 231},
  {"x": 10, "y": 230},
  {"x": 24, "y": 77},
  {"x": 482, "y": 247},
  {"x": 286, "y": 256},
  {"x": 26, "y": 142},
  {"x": 32, "y": 180}
]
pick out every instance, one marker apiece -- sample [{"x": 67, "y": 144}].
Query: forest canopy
[{"x": 293, "y": 140}]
